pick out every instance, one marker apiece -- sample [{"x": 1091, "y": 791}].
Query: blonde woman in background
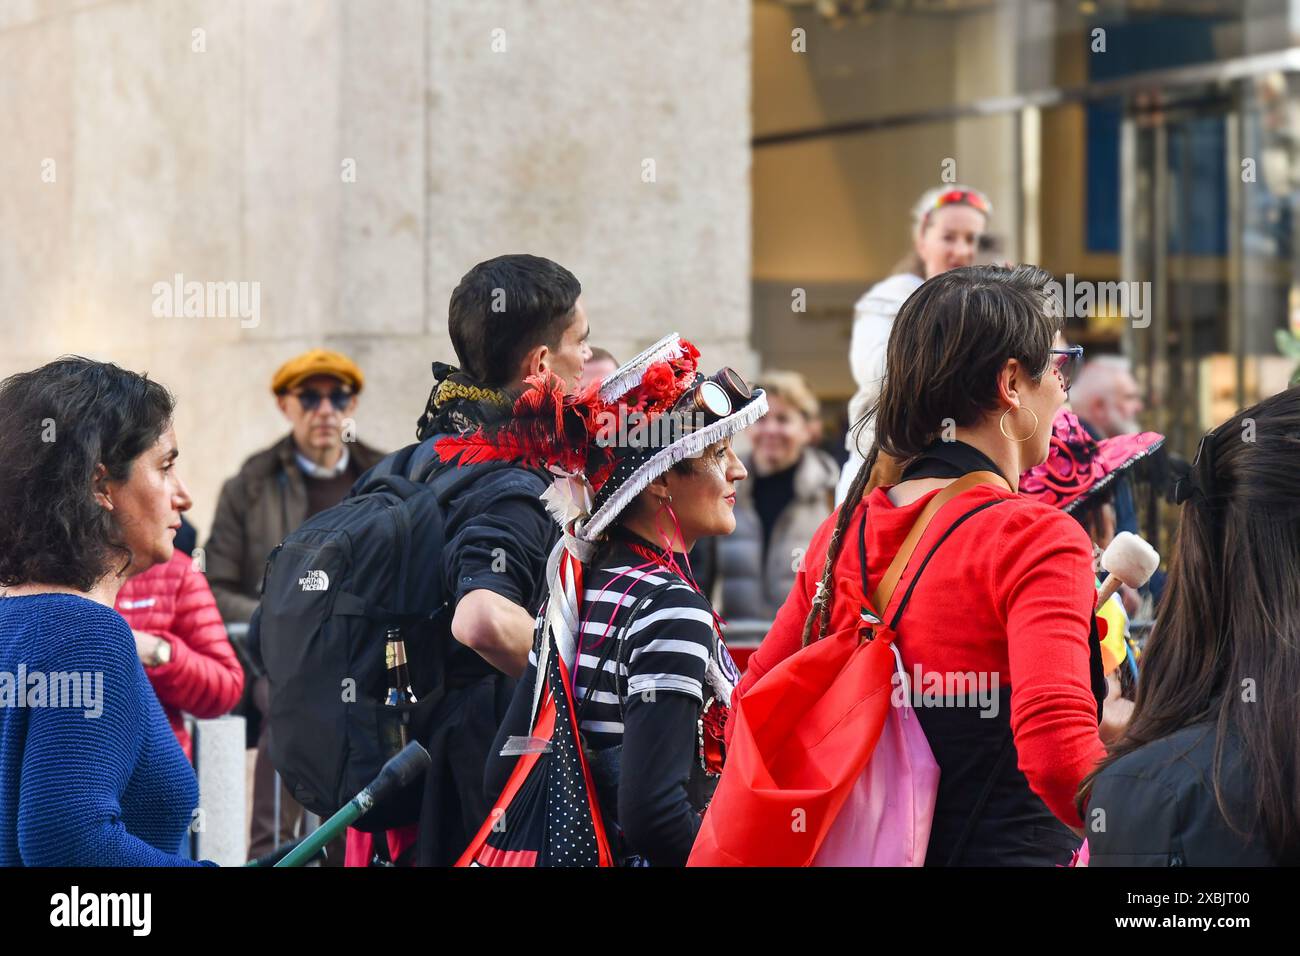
[
  {"x": 947, "y": 223},
  {"x": 777, "y": 511}
]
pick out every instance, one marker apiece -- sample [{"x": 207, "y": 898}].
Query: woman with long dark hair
[
  {"x": 1208, "y": 771},
  {"x": 972, "y": 384},
  {"x": 90, "y": 772}
]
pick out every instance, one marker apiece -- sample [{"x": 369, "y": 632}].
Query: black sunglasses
[
  {"x": 1068, "y": 362},
  {"x": 311, "y": 399}
]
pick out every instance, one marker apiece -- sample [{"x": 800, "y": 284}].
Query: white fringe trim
[
  {"x": 628, "y": 375},
  {"x": 1107, "y": 479},
  {"x": 684, "y": 447}
]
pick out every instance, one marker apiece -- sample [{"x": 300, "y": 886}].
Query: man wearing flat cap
[{"x": 276, "y": 490}]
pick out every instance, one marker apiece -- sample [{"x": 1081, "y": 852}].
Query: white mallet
[{"x": 1128, "y": 560}]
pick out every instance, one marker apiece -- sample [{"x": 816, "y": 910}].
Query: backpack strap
[
  {"x": 447, "y": 478},
  {"x": 395, "y": 463},
  {"x": 884, "y": 593}
]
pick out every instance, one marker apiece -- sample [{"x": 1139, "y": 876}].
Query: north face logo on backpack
[{"x": 314, "y": 581}]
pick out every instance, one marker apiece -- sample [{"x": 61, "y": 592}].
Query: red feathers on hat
[
  {"x": 548, "y": 429},
  {"x": 545, "y": 428}
]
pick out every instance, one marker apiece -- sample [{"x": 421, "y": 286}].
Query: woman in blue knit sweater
[{"x": 90, "y": 772}]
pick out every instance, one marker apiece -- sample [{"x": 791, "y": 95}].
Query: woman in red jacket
[
  {"x": 182, "y": 643},
  {"x": 995, "y": 635}
]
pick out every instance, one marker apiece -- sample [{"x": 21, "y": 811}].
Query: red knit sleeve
[
  {"x": 1045, "y": 592},
  {"x": 786, "y": 635},
  {"x": 204, "y": 676}
]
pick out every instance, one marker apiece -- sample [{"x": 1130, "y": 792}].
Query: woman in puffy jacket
[{"x": 182, "y": 643}]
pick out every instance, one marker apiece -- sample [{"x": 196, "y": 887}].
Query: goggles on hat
[{"x": 716, "y": 396}]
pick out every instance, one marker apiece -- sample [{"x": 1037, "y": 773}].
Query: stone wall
[{"x": 354, "y": 159}]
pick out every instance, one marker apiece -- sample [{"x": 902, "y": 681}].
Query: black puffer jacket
[{"x": 1156, "y": 807}]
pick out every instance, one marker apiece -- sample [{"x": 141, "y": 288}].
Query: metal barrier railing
[
  {"x": 745, "y": 632},
  {"x": 237, "y": 632}
]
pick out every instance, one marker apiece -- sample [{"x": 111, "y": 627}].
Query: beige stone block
[
  {"x": 382, "y": 119},
  {"x": 226, "y": 165},
  {"x": 292, "y": 196},
  {"x": 225, "y": 409},
  {"x": 398, "y": 380},
  {"x": 156, "y": 169},
  {"x": 19, "y": 14},
  {"x": 529, "y": 151},
  {"x": 36, "y": 185}
]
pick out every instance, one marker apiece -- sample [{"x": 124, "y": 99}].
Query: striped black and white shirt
[
  {"x": 671, "y": 648},
  {"x": 648, "y": 698}
]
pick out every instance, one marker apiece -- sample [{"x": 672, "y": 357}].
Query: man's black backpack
[{"x": 330, "y": 593}]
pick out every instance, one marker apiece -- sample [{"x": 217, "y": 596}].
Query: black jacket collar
[{"x": 949, "y": 459}]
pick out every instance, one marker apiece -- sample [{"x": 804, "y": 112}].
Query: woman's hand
[
  {"x": 146, "y": 647},
  {"x": 1132, "y": 599},
  {"x": 1115, "y": 712}
]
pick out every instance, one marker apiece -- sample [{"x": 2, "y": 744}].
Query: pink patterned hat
[{"x": 1078, "y": 466}]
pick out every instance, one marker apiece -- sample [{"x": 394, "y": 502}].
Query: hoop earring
[{"x": 1002, "y": 423}]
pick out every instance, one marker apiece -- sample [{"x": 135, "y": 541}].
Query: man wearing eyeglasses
[{"x": 277, "y": 489}]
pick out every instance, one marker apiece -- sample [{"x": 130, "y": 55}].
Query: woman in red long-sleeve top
[
  {"x": 182, "y": 642},
  {"x": 997, "y": 628}
]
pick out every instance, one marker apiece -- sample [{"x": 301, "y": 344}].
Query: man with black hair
[{"x": 509, "y": 318}]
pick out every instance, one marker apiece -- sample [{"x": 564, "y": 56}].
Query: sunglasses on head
[
  {"x": 311, "y": 399},
  {"x": 963, "y": 197},
  {"x": 1068, "y": 362}
]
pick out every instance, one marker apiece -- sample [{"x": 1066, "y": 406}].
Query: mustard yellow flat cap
[{"x": 317, "y": 362}]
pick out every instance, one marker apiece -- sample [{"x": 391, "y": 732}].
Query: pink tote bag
[{"x": 886, "y": 819}]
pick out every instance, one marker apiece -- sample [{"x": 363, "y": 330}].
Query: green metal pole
[
  {"x": 328, "y": 830},
  {"x": 403, "y": 769}
]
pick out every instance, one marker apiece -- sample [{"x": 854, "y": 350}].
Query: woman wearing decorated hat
[{"x": 627, "y": 647}]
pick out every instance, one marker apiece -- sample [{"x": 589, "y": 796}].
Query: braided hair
[{"x": 819, "y": 615}]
